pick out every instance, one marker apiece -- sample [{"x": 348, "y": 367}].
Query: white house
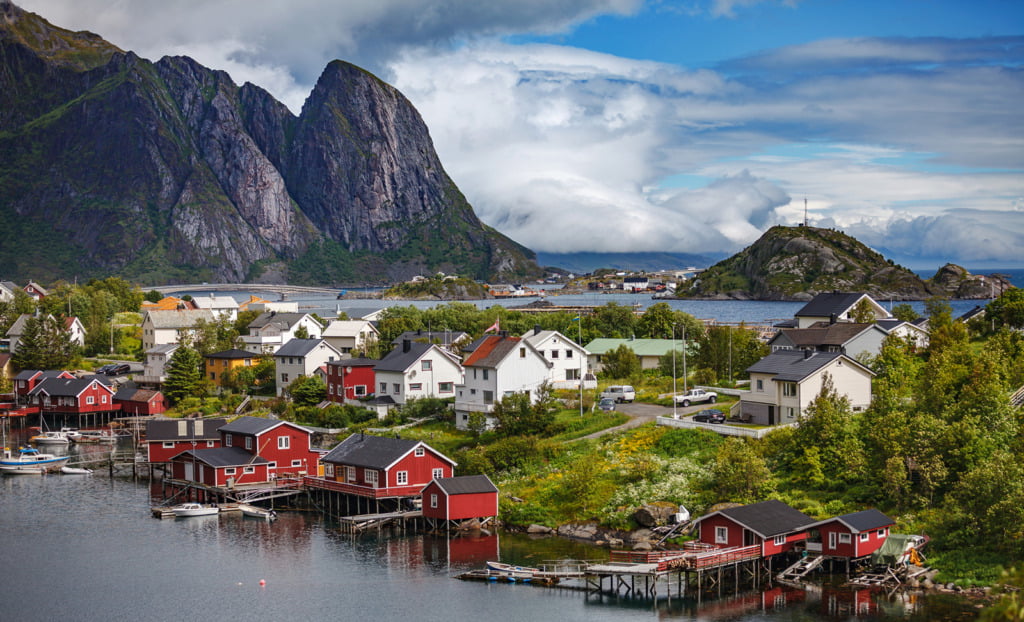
[
  {"x": 918, "y": 335},
  {"x": 7, "y": 289},
  {"x": 220, "y": 306},
  {"x": 414, "y": 370},
  {"x": 569, "y": 362},
  {"x": 348, "y": 335},
  {"x": 498, "y": 366},
  {"x": 301, "y": 357},
  {"x": 785, "y": 382},
  {"x": 72, "y": 325},
  {"x": 850, "y": 338},
  {"x": 154, "y": 368},
  {"x": 836, "y": 307},
  {"x": 271, "y": 330},
  {"x": 163, "y": 327}
]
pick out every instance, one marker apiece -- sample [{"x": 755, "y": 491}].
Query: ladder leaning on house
[{"x": 801, "y": 568}]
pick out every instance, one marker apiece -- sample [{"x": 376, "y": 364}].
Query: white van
[{"x": 619, "y": 393}]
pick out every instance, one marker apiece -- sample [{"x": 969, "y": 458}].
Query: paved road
[{"x": 640, "y": 413}]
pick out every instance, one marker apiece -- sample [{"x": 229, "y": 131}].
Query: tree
[
  {"x": 944, "y": 331},
  {"x": 740, "y": 473},
  {"x": 905, "y": 312},
  {"x": 184, "y": 375},
  {"x": 307, "y": 390},
  {"x": 260, "y": 375},
  {"x": 671, "y": 363},
  {"x": 1008, "y": 309},
  {"x": 614, "y": 321},
  {"x": 728, "y": 350},
  {"x": 827, "y": 425},
  {"x": 863, "y": 312},
  {"x": 302, "y": 332},
  {"x": 153, "y": 296},
  {"x": 516, "y": 416},
  {"x": 621, "y": 362},
  {"x": 215, "y": 335},
  {"x": 44, "y": 344},
  {"x": 660, "y": 321}
]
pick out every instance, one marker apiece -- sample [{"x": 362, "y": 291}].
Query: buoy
[{"x": 263, "y": 582}]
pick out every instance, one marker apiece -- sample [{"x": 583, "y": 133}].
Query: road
[{"x": 640, "y": 413}]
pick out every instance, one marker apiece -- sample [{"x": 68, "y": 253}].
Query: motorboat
[
  {"x": 66, "y": 470},
  {"x": 51, "y": 438},
  {"x": 509, "y": 570},
  {"x": 256, "y": 511},
  {"x": 28, "y": 461},
  {"x": 194, "y": 509},
  {"x": 96, "y": 436}
]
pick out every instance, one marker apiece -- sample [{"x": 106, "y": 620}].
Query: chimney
[
  {"x": 406, "y": 345},
  {"x": 419, "y": 331},
  {"x": 536, "y": 329},
  {"x": 807, "y": 354}
]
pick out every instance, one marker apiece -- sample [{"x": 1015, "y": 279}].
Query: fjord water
[{"x": 86, "y": 548}]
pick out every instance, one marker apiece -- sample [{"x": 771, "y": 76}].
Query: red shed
[
  {"x": 222, "y": 466},
  {"x": 772, "y": 525},
  {"x": 285, "y": 445},
  {"x": 460, "y": 498},
  {"x": 380, "y": 467},
  {"x": 850, "y": 536},
  {"x": 166, "y": 438},
  {"x": 140, "y": 402},
  {"x": 352, "y": 377}
]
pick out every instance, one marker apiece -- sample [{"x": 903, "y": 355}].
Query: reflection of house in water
[
  {"x": 735, "y": 606},
  {"x": 460, "y": 550}
]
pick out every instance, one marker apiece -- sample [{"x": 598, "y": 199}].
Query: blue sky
[{"x": 689, "y": 126}]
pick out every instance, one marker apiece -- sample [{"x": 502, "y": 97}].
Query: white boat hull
[
  {"x": 256, "y": 511},
  {"x": 194, "y": 509}
]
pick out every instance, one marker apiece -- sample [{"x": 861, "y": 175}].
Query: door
[
  {"x": 832, "y": 540},
  {"x": 771, "y": 415},
  {"x": 190, "y": 471}
]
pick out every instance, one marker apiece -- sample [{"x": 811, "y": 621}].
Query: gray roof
[
  {"x": 374, "y": 452},
  {"x": 824, "y": 305},
  {"x": 356, "y": 362},
  {"x": 767, "y": 518},
  {"x": 133, "y": 394},
  {"x": 233, "y": 353},
  {"x": 857, "y": 522},
  {"x": 400, "y": 359},
  {"x": 794, "y": 365},
  {"x": 66, "y": 387},
  {"x": 178, "y": 319},
  {"x": 223, "y": 457},
  {"x": 167, "y": 429},
  {"x": 254, "y": 425},
  {"x": 299, "y": 347},
  {"x": 282, "y": 320},
  {"x": 822, "y": 334},
  {"x": 360, "y": 313},
  {"x": 164, "y": 348},
  {"x": 466, "y": 484},
  {"x": 442, "y": 337}
]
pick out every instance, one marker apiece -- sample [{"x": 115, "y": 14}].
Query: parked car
[
  {"x": 696, "y": 396},
  {"x": 117, "y": 370},
  {"x": 619, "y": 393},
  {"x": 106, "y": 368},
  {"x": 710, "y": 415},
  {"x": 606, "y": 403}
]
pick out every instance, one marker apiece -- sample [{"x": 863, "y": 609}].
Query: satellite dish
[{"x": 348, "y": 370}]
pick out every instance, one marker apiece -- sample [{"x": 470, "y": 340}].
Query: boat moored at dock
[
  {"x": 186, "y": 510},
  {"x": 29, "y": 461}
]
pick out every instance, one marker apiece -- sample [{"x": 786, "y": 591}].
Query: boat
[
  {"x": 96, "y": 436},
  {"x": 256, "y": 511},
  {"x": 509, "y": 570},
  {"x": 194, "y": 509},
  {"x": 61, "y": 437},
  {"x": 66, "y": 470},
  {"x": 29, "y": 461}
]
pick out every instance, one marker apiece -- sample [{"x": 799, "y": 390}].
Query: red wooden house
[
  {"x": 166, "y": 438},
  {"x": 353, "y": 378},
  {"x": 140, "y": 402},
  {"x": 28, "y": 379},
  {"x": 73, "y": 396},
  {"x": 772, "y": 525},
  {"x": 382, "y": 468},
  {"x": 221, "y": 466},
  {"x": 850, "y": 536},
  {"x": 460, "y": 498}
]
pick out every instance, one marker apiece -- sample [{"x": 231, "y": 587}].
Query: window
[
  {"x": 402, "y": 478},
  {"x": 396, "y": 388},
  {"x": 789, "y": 389},
  {"x": 780, "y": 540},
  {"x": 522, "y": 353},
  {"x": 844, "y": 538},
  {"x": 284, "y": 442},
  {"x": 359, "y": 389},
  {"x": 383, "y": 388},
  {"x": 271, "y": 465},
  {"x": 248, "y": 470},
  {"x": 568, "y": 354},
  {"x": 213, "y": 375},
  {"x": 296, "y": 463},
  {"x": 248, "y": 442},
  {"x": 472, "y": 391},
  {"x": 864, "y": 536},
  {"x": 370, "y": 477},
  {"x": 284, "y": 378},
  {"x": 328, "y": 469},
  {"x": 881, "y": 533},
  {"x": 168, "y": 445},
  {"x": 437, "y": 473},
  {"x": 229, "y": 471},
  {"x": 445, "y": 387},
  {"x": 760, "y": 384},
  {"x": 721, "y": 535},
  {"x": 426, "y": 365},
  {"x": 90, "y": 400},
  {"x": 103, "y": 399},
  {"x": 210, "y": 443},
  {"x": 227, "y": 440},
  {"x": 572, "y": 374},
  {"x": 554, "y": 354},
  {"x": 474, "y": 374},
  {"x": 433, "y": 500},
  {"x": 790, "y": 412},
  {"x": 330, "y": 389},
  {"x": 420, "y": 452},
  {"x": 486, "y": 374},
  {"x": 488, "y": 397},
  {"x": 350, "y": 474},
  {"x": 416, "y": 386}
]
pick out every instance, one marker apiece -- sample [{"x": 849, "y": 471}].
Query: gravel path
[{"x": 640, "y": 413}]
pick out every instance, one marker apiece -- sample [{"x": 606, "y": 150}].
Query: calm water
[{"x": 85, "y": 548}]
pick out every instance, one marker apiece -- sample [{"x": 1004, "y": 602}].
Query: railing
[
  {"x": 722, "y": 428},
  {"x": 720, "y": 557},
  {"x": 362, "y": 491}
]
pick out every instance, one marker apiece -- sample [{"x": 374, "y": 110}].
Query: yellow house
[{"x": 219, "y": 364}]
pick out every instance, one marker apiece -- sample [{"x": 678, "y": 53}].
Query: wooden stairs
[{"x": 801, "y": 568}]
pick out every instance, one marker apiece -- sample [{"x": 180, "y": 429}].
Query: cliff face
[{"x": 168, "y": 171}]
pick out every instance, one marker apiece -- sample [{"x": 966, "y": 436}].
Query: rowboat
[
  {"x": 29, "y": 461},
  {"x": 194, "y": 509},
  {"x": 256, "y": 512},
  {"x": 509, "y": 570}
]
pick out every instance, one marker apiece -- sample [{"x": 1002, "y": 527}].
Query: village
[{"x": 382, "y": 479}]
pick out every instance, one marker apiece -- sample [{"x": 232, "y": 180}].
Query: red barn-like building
[
  {"x": 73, "y": 396},
  {"x": 166, "y": 438},
  {"x": 140, "y": 402},
  {"x": 772, "y": 525},
  {"x": 350, "y": 379},
  {"x": 222, "y": 466},
  {"x": 850, "y": 536},
  {"x": 28, "y": 379},
  {"x": 381, "y": 468},
  {"x": 460, "y": 498}
]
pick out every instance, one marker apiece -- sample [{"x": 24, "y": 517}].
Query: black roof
[
  {"x": 355, "y": 362},
  {"x": 233, "y": 353},
  {"x": 374, "y": 452},
  {"x": 400, "y": 359},
  {"x": 66, "y": 387},
  {"x": 167, "y": 429},
  {"x": 865, "y": 520},
  {"x": 442, "y": 337},
  {"x": 767, "y": 518},
  {"x": 466, "y": 484},
  {"x": 223, "y": 457},
  {"x": 255, "y": 425},
  {"x": 793, "y": 365},
  {"x": 824, "y": 305}
]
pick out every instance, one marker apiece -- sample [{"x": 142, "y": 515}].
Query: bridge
[{"x": 245, "y": 287}]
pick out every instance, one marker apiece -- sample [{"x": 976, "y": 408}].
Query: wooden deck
[{"x": 362, "y": 522}]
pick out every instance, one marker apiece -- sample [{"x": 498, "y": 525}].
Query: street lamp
[{"x": 675, "y": 415}]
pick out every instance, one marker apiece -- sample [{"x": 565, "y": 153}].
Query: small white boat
[
  {"x": 91, "y": 437},
  {"x": 50, "y": 438},
  {"x": 30, "y": 462},
  {"x": 509, "y": 570},
  {"x": 66, "y": 470},
  {"x": 256, "y": 512},
  {"x": 194, "y": 509}
]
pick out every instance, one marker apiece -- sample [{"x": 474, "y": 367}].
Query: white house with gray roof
[
  {"x": 154, "y": 369},
  {"x": 415, "y": 370},
  {"x": 221, "y": 306},
  {"x": 498, "y": 366},
  {"x": 301, "y": 357},
  {"x": 348, "y": 335},
  {"x": 785, "y": 382},
  {"x": 832, "y": 307},
  {"x": 163, "y": 327},
  {"x": 271, "y": 330},
  {"x": 569, "y": 360}
]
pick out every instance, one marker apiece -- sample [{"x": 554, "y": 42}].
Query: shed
[
  {"x": 460, "y": 498},
  {"x": 771, "y": 524},
  {"x": 850, "y": 536}
]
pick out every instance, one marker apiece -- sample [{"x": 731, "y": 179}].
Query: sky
[{"x": 655, "y": 125}]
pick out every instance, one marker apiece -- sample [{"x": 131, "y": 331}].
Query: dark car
[
  {"x": 117, "y": 370},
  {"x": 710, "y": 415},
  {"x": 606, "y": 403},
  {"x": 106, "y": 368}
]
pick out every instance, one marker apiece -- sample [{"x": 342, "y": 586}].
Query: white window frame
[
  {"x": 90, "y": 399},
  {"x": 230, "y": 471},
  {"x": 248, "y": 442},
  {"x": 433, "y": 500},
  {"x": 402, "y": 478},
  {"x": 780, "y": 540},
  {"x": 284, "y": 442},
  {"x": 844, "y": 538},
  {"x": 864, "y": 536},
  {"x": 721, "y": 535},
  {"x": 350, "y": 474},
  {"x": 370, "y": 477},
  {"x": 419, "y": 452},
  {"x": 296, "y": 463},
  {"x": 228, "y": 440},
  {"x": 437, "y": 473},
  {"x": 249, "y": 470}
]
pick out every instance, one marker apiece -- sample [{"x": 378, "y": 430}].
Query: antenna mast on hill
[{"x": 805, "y": 211}]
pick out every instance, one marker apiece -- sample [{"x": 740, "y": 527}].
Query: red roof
[{"x": 487, "y": 347}]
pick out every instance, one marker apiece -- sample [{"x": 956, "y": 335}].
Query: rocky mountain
[
  {"x": 795, "y": 263},
  {"x": 168, "y": 171}
]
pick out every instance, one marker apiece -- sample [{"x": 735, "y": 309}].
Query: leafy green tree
[
  {"x": 660, "y": 321},
  {"x": 622, "y": 362},
  {"x": 307, "y": 390},
  {"x": 185, "y": 375},
  {"x": 987, "y": 505},
  {"x": 1008, "y": 309},
  {"x": 153, "y": 296},
  {"x": 863, "y": 312},
  {"x": 5, "y": 382},
  {"x": 215, "y": 335},
  {"x": 44, "y": 344},
  {"x": 259, "y": 376},
  {"x": 671, "y": 362},
  {"x": 516, "y": 416},
  {"x": 739, "y": 473},
  {"x": 728, "y": 350},
  {"x": 582, "y": 482},
  {"x": 905, "y": 312},
  {"x": 827, "y": 425},
  {"x": 476, "y": 423},
  {"x": 302, "y": 332},
  {"x": 614, "y": 321},
  {"x": 944, "y": 331}
]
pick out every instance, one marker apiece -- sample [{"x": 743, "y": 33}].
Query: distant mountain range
[
  {"x": 583, "y": 263},
  {"x": 169, "y": 172}
]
